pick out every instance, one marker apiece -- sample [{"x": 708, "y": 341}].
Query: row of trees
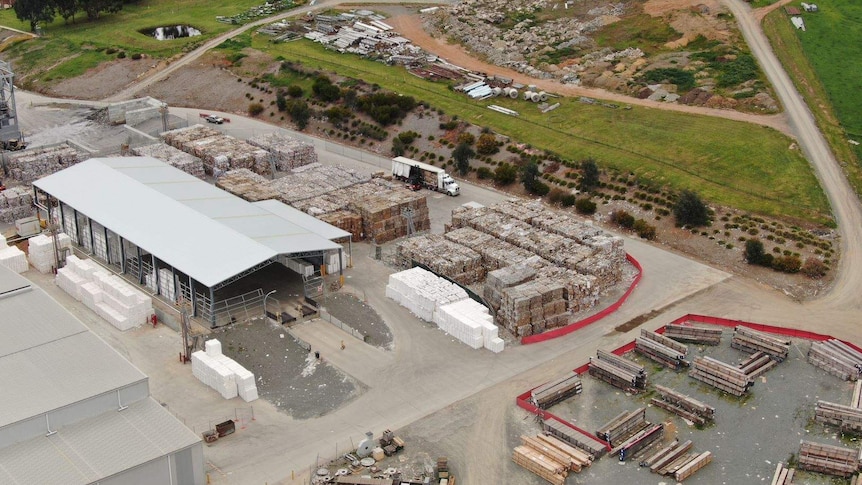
[{"x": 35, "y": 11}]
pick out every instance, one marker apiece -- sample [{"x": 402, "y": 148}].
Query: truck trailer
[{"x": 419, "y": 174}]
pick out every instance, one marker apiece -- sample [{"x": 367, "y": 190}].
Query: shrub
[
  {"x": 294, "y": 91},
  {"x": 487, "y": 144},
  {"x": 622, "y": 218},
  {"x": 484, "y": 173},
  {"x": 814, "y": 268},
  {"x": 121, "y": 55},
  {"x": 408, "y": 136},
  {"x": 787, "y": 264},
  {"x": 136, "y": 56},
  {"x": 690, "y": 210},
  {"x": 505, "y": 174},
  {"x": 585, "y": 206},
  {"x": 644, "y": 229},
  {"x": 467, "y": 138},
  {"x": 110, "y": 51},
  {"x": 590, "y": 178},
  {"x": 754, "y": 251},
  {"x": 255, "y": 109},
  {"x": 540, "y": 188},
  {"x": 555, "y": 196},
  {"x": 568, "y": 200}
]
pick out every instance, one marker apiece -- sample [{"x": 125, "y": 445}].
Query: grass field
[
  {"x": 729, "y": 163},
  {"x": 823, "y": 63}
]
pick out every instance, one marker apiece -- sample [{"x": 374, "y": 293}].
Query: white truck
[{"x": 419, "y": 174}]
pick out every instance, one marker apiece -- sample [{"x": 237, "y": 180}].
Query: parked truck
[{"x": 419, "y": 174}]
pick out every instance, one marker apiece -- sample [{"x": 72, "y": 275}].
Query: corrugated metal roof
[
  {"x": 11, "y": 281},
  {"x": 96, "y": 448},
  {"x": 28, "y": 321},
  {"x": 302, "y": 219}
]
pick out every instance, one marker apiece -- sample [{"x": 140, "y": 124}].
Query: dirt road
[{"x": 410, "y": 26}]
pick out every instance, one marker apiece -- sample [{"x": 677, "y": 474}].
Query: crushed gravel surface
[{"x": 360, "y": 316}]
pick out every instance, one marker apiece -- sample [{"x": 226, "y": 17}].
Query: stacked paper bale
[
  {"x": 469, "y": 321},
  {"x": 531, "y": 307},
  {"x": 507, "y": 277},
  {"x": 347, "y": 221},
  {"x": 28, "y": 165},
  {"x": 41, "y": 250},
  {"x": 116, "y": 301},
  {"x": 222, "y": 373},
  {"x": 315, "y": 179},
  {"x": 173, "y": 156},
  {"x": 289, "y": 152},
  {"x": 219, "y": 152},
  {"x": 495, "y": 253},
  {"x": 16, "y": 203},
  {"x": 247, "y": 185},
  {"x": 14, "y": 259},
  {"x": 339, "y": 199},
  {"x": 382, "y": 218},
  {"x": 444, "y": 257}
]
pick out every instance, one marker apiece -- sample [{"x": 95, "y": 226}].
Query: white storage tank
[
  {"x": 528, "y": 95},
  {"x": 543, "y": 96}
]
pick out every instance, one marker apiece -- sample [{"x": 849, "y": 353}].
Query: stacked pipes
[
  {"x": 557, "y": 390},
  {"x": 757, "y": 364},
  {"x": 676, "y": 461},
  {"x": 721, "y": 375},
  {"x": 661, "y": 349},
  {"x": 832, "y": 460},
  {"x": 571, "y": 436},
  {"x": 748, "y": 340},
  {"x": 682, "y": 405},
  {"x": 836, "y": 358},
  {"x": 846, "y": 418},
  {"x": 784, "y": 475},
  {"x": 695, "y": 335},
  {"x": 618, "y": 372}
]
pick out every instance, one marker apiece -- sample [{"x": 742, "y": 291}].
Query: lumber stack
[
  {"x": 751, "y": 341},
  {"x": 454, "y": 261},
  {"x": 623, "y": 426},
  {"x": 663, "y": 350},
  {"x": 541, "y": 465},
  {"x": 582, "y": 458},
  {"x": 783, "y": 475},
  {"x": 721, "y": 375},
  {"x": 572, "y": 458},
  {"x": 682, "y": 405},
  {"x": 690, "y": 467},
  {"x": 757, "y": 364},
  {"x": 836, "y": 358},
  {"x": 618, "y": 371},
  {"x": 640, "y": 441},
  {"x": 556, "y": 390},
  {"x": 676, "y": 460},
  {"x": 832, "y": 460},
  {"x": 856, "y": 400},
  {"x": 846, "y": 418},
  {"x": 593, "y": 447},
  {"x": 695, "y": 335}
]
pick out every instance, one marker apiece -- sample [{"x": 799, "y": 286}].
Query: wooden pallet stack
[
  {"x": 846, "y": 418},
  {"x": 556, "y": 390},
  {"x": 570, "y": 457},
  {"x": 661, "y": 349},
  {"x": 623, "y": 426},
  {"x": 677, "y": 460},
  {"x": 695, "y": 335},
  {"x": 836, "y": 358},
  {"x": 721, "y": 375},
  {"x": 593, "y": 447},
  {"x": 682, "y": 405},
  {"x": 757, "y": 364},
  {"x": 751, "y": 341},
  {"x": 540, "y": 464},
  {"x": 832, "y": 460},
  {"x": 783, "y": 475},
  {"x": 618, "y": 372},
  {"x": 640, "y": 441}
]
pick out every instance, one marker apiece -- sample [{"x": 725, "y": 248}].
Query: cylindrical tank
[
  {"x": 543, "y": 96},
  {"x": 528, "y": 95},
  {"x": 496, "y": 91},
  {"x": 513, "y": 93},
  {"x": 534, "y": 97}
]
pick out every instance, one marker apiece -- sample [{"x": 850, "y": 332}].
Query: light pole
[{"x": 264, "y": 305}]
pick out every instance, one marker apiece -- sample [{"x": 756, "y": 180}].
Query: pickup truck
[{"x": 215, "y": 119}]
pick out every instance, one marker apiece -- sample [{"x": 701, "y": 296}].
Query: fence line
[{"x": 326, "y": 316}]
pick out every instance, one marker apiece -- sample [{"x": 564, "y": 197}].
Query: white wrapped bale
[
  {"x": 213, "y": 348},
  {"x": 222, "y": 373},
  {"x": 41, "y": 251},
  {"x": 14, "y": 259}
]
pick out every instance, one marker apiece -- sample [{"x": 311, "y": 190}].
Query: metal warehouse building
[
  {"x": 74, "y": 411},
  {"x": 179, "y": 235}
]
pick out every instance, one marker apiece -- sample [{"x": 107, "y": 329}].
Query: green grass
[
  {"x": 827, "y": 89},
  {"x": 642, "y": 30},
  {"x": 730, "y": 163}
]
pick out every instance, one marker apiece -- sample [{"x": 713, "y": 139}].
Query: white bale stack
[
  {"x": 2, "y": 241},
  {"x": 222, "y": 373},
  {"x": 14, "y": 259},
  {"x": 469, "y": 321},
  {"x": 167, "y": 286},
  {"x": 41, "y": 250}
]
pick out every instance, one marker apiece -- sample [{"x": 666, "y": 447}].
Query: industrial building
[
  {"x": 185, "y": 239},
  {"x": 73, "y": 410}
]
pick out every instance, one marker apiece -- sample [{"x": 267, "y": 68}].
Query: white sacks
[
  {"x": 41, "y": 250},
  {"x": 440, "y": 301},
  {"x": 222, "y": 373},
  {"x": 116, "y": 301},
  {"x": 14, "y": 259}
]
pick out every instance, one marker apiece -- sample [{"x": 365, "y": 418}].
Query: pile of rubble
[
  {"x": 288, "y": 153},
  {"x": 219, "y": 152},
  {"x": 28, "y": 165},
  {"x": 174, "y": 157}
]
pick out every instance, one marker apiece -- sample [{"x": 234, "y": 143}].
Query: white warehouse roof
[
  {"x": 302, "y": 219},
  {"x": 203, "y": 231}
]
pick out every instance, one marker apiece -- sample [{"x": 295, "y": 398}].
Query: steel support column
[
  {"x": 212, "y": 307},
  {"x": 140, "y": 266},
  {"x": 107, "y": 245},
  {"x": 92, "y": 244},
  {"x": 122, "y": 253},
  {"x": 77, "y": 228},
  {"x": 156, "y": 275},
  {"x": 192, "y": 293}
]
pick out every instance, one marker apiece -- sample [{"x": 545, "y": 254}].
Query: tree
[
  {"x": 299, "y": 112},
  {"x": 487, "y": 144},
  {"x": 397, "y": 147},
  {"x": 505, "y": 174},
  {"x": 294, "y": 91},
  {"x": 754, "y": 252},
  {"x": 689, "y": 210},
  {"x": 66, "y": 8},
  {"x": 585, "y": 206},
  {"x": 590, "y": 179},
  {"x": 280, "y": 100},
  {"x": 529, "y": 174},
  {"x": 462, "y": 155},
  {"x": 94, "y": 8},
  {"x": 34, "y": 11}
]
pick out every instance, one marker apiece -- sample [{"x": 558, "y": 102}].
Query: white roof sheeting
[{"x": 302, "y": 219}]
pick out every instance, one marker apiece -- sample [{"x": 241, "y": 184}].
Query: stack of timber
[
  {"x": 454, "y": 261},
  {"x": 748, "y": 340},
  {"x": 832, "y": 460},
  {"x": 28, "y": 165},
  {"x": 695, "y": 335},
  {"x": 173, "y": 156},
  {"x": 846, "y": 418},
  {"x": 675, "y": 460},
  {"x": 623, "y": 426},
  {"x": 582, "y": 458},
  {"x": 556, "y": 390},
  {"x": 682, "y": 405},
  {"x": 856, "y": 400},
  {"x": 247, "y": 185},
  {"x": 288, "y": 153},
  {"x": 640, "y": 441},
  {"x": 567, "y": 434},
  {"x": 757, "y": 364},
  {"x": 721, "y": 375},
  {"x": 540, "y": 464},
  {"x": 836, "y": 358},
  {"x": 618, "y": 372},
  {"x": 784, "y": 475},
  {"x": 661, "y": 349},
  {"x": 574, "y": 460}
]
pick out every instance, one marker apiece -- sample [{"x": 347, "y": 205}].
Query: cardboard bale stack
[
  {"x": 444, "y": 257},
  {"x": 247, "y": 185},
  {"x": 382, "y": 219},
  {"x": 28, "y": 165},
  {"x": 315, "y": 179},
  {"x": 507, "y": 277},
  {"x": 288, "y": 152},
  {"x": 532, "y": 307},
  {"x": 41, "y": 251},
  {"x": 495, "y": 253},
  {"x": 347, "y": 221},
  {"x": 16, "y": 203},
  {"x": 183, "y": 137},
  {"x": 222, "y": 373},
  {"x": 219, "y": 152},
  {"x": 173, "y": 156},
  {"x": 582, "y": 291}
]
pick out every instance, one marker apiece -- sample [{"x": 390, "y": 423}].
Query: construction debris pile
[
  {"x": 222, "y": 373},
  {"x": 684, "y": 406},
  {"x": 594, "y": 447},
  {"x": 15, "y": 203},
  {"x": 748, "y": 340},
  {"x": 721, "y": 375},
  {"x": 557, "y": 390},
  {"x": 661, "y": 349},
  {"x": 13, "y": 258},
  {"x": 836, "y": 358},
  {"x": 675, "y": 461},
  {"x": 439, "y": 301},
  {"x": 365, "y": 35},
  {"x": 41, "y": 252},
  {"x": 695, "y": 335},
  {"x": 28, "y": 165},
  {"x": 219, "y": 152},
  {"x": 550, "y": 458},
  {"x": 828, "y": 459},
  {"x": 247, "y": 185},
  {"x": 174, "y": 157},
  {"x": 116, "y": 301},
  {"x": 618, "y": 371},
  {"x": 288, "y": 153}
]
